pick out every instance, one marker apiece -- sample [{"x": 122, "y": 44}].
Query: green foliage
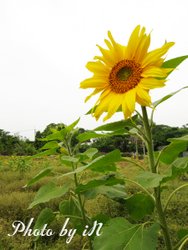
[
  {"x": 161, "y": 134},
  {"x": 19, "y": 164},
  {"x": 114, "y": 126},
  {"x": 149, "y": 180},
  {"x": 48, "y": 192},
  {"x": 116, "y": 192},
  {"x": 39, "y": 176},
  {"x": 126, "y": 236},
  {"x": 14, "y": 145},
  {"x": 163, "y": 99},
  {"x": 139, "y": 205},
  {"x": 45, "y": 217},
  {"x": 65, "y": 142},
  {"x": 177, "y": 168},
  {"x": 175, "y": 62},
  {"x": 172, "y": 151},
  {"x": 47, "y": 131},
  {"x": 109, "y": 181}
]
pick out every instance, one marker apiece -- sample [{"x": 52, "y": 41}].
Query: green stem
[
  {"x": 79, "y": 196},
  {"x": 133, "y": 162},
  {"x": 157, "y": 192},
  {"x": 180, "y": 242},
  {"x": 183, "y": 244},
  {"x": 172, "y": 194},
  {"x": 141, "y": 187}
]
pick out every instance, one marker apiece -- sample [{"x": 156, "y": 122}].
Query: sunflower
[{"x": 123, "y": 75}]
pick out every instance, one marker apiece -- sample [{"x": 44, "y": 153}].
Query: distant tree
[
  {"x": 163, "y": 132},
  {"x": 14, "y": 145}
]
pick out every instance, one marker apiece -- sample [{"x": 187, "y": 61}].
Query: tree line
[{"x": 15, "y": 145}]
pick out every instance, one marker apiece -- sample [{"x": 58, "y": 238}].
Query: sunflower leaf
[
  {"x": 48, "y": 192},
  {"x": 92, "y": 134},
  {"x": 172, "y": 151},
  {"x": 139, "y": 205},
  {"x": 164, "y": 98},
  {"x": 114, "y": 126},
  {"x": 174, "y": 62},
  {"x": 124, "y": 236},
  {"x": 177, "y": 168},
  {"x": 103, "y": 163},
  {"x": 43, "y": 173}
]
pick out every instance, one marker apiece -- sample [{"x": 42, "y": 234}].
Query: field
[{"x": 15, "y": 172}]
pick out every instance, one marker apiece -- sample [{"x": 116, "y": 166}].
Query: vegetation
[
  {"x": 14, "y": 145},
  {"x": 15, "y": 200}
]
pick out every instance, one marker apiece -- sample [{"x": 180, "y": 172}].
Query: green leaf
[
  {"x": 51, "y": 151},
  {"x": 69, "y": 160},
  {"x": 48, "y": 192},
  {"x": 179, "y": 139},
  {"x": 172, "y": 151},
  {"x": 72, "y": 125},
  {"x": 102, "y": 218},
  {"x": 103, "y": 163},
  {"x": 92, "y": 134},
  {"x": 55, "y": 136},
  {"x": 45, "y": 217},
  {"x": 90, "y": 152},
  {"x": 50, "y": 145},
  {"x": 100, "y": 182},
  {"x": 126, "y": 236},
  {"x": 115, "y": 192},
  {"x": 182, "y": 233},
  {"x": 69, "y": 207},
  {"x": 118, "y": 125},
  {"x": 149, "y": 180},
  {"x": 174, "y": 62},
  {"x": 139, "y": 205},
  {"x": 43, "y": 173},
  {"x": 177, "y": 168},
  {"x": 89, "y": 135},
  {"x": 164, "y": 98}
]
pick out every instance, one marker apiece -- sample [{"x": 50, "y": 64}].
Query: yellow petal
[
  {"x": 96, "y": 91},
  {"x": 142, "y": 96},
  {"x": 153, "y": 71},
  {"x": 113, "y": 105},
  {"x": 125, "y": 108},
  {"x": 103, "y": 94},
  {"x": 155, "y": 55},
  {"x": 130, "y": 100},
  {"x": 97, "y": 67},
  {"x": 108, "y": 57},
  {"x": 102, "y": 106},
  {"x": 93, "y": 83},
  {"x": 151, "y": 83},
  {"x": 133, "y": 42},
  {"x": 142, "y": 48}
]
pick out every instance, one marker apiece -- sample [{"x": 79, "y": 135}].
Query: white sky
[{"x": 44, "y": 46}]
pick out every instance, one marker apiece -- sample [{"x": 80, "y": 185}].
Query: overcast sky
[{"x": 44, "y": 46}]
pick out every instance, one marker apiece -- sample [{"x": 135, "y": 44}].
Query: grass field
[{"x": 15, "y": 199}]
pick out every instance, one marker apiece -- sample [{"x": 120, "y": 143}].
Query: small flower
[{"x": 125, "y": 74}]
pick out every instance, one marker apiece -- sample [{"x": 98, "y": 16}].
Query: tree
[{"x": 14, "y": 145}]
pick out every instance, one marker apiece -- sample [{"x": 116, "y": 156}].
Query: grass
[{"x": 15, "y": 199}]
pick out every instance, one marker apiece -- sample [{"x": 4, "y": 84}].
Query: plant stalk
[
  {"x": 79, "y": 196},
  {"x": 157, "y": 193}
]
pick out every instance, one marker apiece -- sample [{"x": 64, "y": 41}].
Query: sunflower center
[{"x": 125, "y": 75}]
